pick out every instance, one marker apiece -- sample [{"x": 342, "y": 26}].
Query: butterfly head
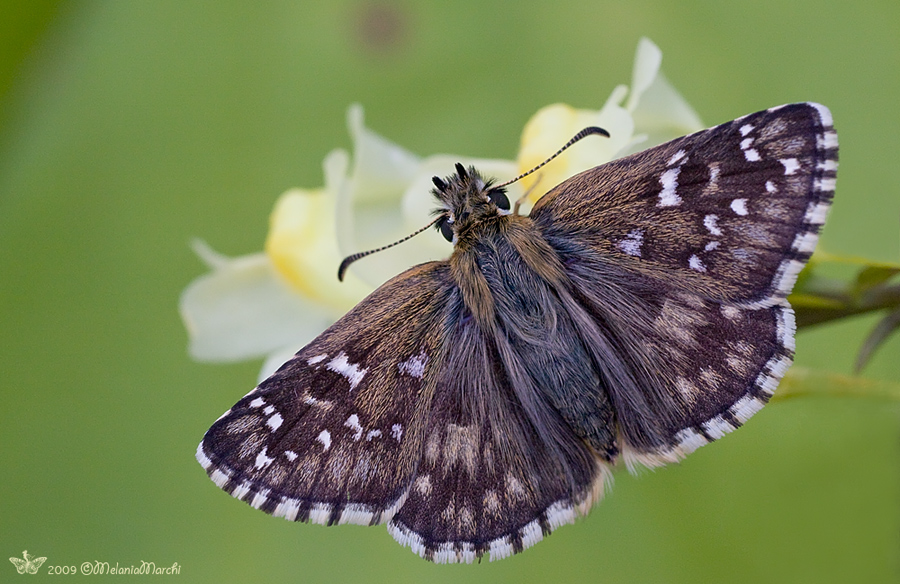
[{"x": 466, "y": 199}]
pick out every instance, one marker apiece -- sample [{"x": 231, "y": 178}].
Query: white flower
[{"x": 271, "y": 304}]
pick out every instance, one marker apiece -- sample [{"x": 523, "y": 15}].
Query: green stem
[{"x": 801, "y": 382}]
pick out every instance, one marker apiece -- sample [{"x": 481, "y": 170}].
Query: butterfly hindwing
[
  {"x": 732, "y": 212},
  {"x": 334, "y": 435},
  {"x": 489, "y": 480},
  {"x": 703, "y": 368}
]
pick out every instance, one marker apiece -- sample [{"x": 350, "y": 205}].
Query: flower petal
[
  {"x": 368, "y": 204},
  {"x": 647, "y": 60},
  {"x": 380, "y": 167},
  {"x": 662, "y": 114},
  {"x": 244, "y": 310},
  {"x": 302, "y": 243}
]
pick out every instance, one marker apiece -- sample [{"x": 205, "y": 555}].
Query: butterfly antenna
[
  {"x": 590, "y": 130},
  {"x": 352, "y": 258}
]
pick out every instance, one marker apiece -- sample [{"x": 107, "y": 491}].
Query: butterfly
[
  {"x": 29, "y": 565},
  {"x": 476, "y": 404}
]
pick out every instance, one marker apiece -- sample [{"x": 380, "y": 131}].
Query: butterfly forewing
[
  {"x": 684, "y": 255},
  {"x": 335, "y": 434},
  {"x": 732, "y": 212}
]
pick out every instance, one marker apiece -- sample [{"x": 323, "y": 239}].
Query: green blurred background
[{"x": 127, "y": 128}]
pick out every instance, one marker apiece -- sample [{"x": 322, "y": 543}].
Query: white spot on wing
[
  {"x": 739, "y": 206},
  {"x": 220, "y": 477},
  {"x": 711, "y": 246},
  {"x": 686, "y": 388},
  {"x": 325, "y": 438},
  {"x": 262, "y": 460},
  {"x": 320, "y": 403},
  {"x": 717, "y": 427},
  {"x": 791, "y": 165},
  {"x": 560, "y": 513},
  {"x": 275, "y": 421},
  {"x": 241, "y": 490},
  {"x": 356, "y": 514},
  {"x": 397, "y": 432},
  {"x": 745, "y": 407},
  {"x": 259, "y": 499},
  {"x": 690, "y": 440},
  {"x": 710, "y": 223},
  {"x": 731, "y": 312},
  {"x": 669, "y": 181},
  {"x": 787, "y": 327},
  {"x": 751, "y": 155},
  {"x": 695, "y": 264},
  {"x": 258, "y": 402},
  {"x": 746, "y": 129},
  {"x": 316, "y": 359},
  {"x": 770, "y": 187},
  {"x": 320, "y": 513},
  {"x": 407, "y": 537},
  {"x": 353, "y": 423},
  {"x": 415, "y": 365},
  {"x": 291, "y": 455},
  {"x": 372, "y": 434},
  {"x": 422, "y": 485},
  {"x": 350, "y": 371},
  {"x": 500, "y": 548},
  {"x": 676, "y": 157},
  {"x": 514, "y": 487},
  {"x": 632, "y": 244},
  {"x": 531, "y": 534},
  {"x": 805, "y": 242}
]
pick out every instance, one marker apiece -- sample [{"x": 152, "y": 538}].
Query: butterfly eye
[
  {"x": 499, "y": 198},
  {"x": 446, "y": 228}
]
